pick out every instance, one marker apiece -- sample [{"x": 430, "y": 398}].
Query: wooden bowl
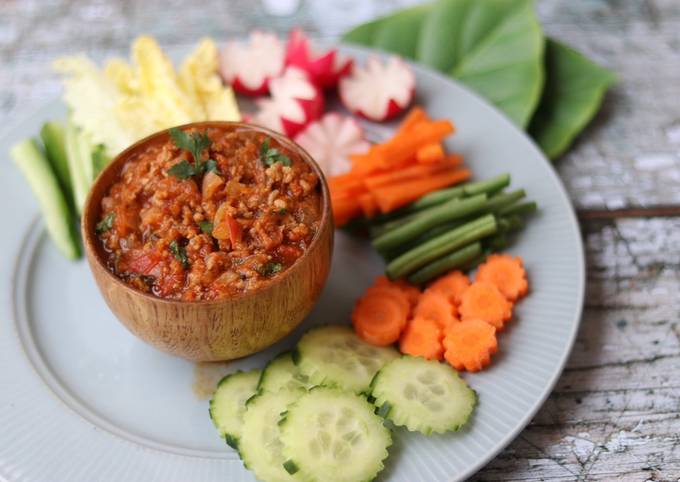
[{"x": 221, "y": 329}]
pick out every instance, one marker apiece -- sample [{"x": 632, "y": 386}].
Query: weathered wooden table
[{"x": 615, "y": 413}]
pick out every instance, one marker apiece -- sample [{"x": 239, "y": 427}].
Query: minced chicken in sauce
[{"x": 227, "y": 224}]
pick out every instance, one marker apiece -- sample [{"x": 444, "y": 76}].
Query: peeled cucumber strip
[
  {"x": 36, "y": 169},
  {"x": 330, "y": 435},
  {"x": 228, "y": 404},
  {"x": 54, "y": 139},
  {"x": 281, "y": 373},
  {"x": 260, "y": 445},
  {"x": 423, "y": 395},
  {"x": 334, "y": 356},
  {"x": 79, "y": 154}
]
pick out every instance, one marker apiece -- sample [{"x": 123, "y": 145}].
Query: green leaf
[
  {"x": 183, "y": 170},
  {"x": 364, "y": 33},
  {"x": 195, "y": 142},
  {"x": 270, "y": 268},
  {"x": 399, "y": 33},
  {"x": 573, "y": 93},
  {"x": 495, "y": 47},
  {"x": 211, "y": 166},
  {"x": 180, "y": 253},
  {"x": 271, "y": 155},
  {"x": 106, "y": 223},
  {"x": 206, "y": 227}
]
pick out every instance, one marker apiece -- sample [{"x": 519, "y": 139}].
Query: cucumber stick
[
  {"x": 81, "y": 170},
  {"x": 43, "y": 181},
  {"x": 53, "y": 137},
  {"x": 335, "y": 356},
  {"x": 228, "y": 404},
  {"x": 333, "y": 436},
  {"x": 423, "y": 395},
  {"x": 260, "y": 445}
]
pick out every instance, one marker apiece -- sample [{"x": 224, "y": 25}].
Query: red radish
[
  {"x": 378, "y": 91},
  {"x": 295, "y": 102},
  {"x": 325, "y": 69},
  {"x": 331, "y": 140},
  {"x": 250, "y": 67}
]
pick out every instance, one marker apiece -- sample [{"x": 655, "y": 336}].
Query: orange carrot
[
  {"x": 368, "y": 205},
  {"x": 430, "y": 153},
  {"x": 412, "y": 293},
  {"x": 422, "y": 337},
  {"x": 397, "y": 195},
  {"x": 379, "y": 320},
  {"x": 451, "y": 285},
  {"x": 402, "y": 147},
  {"x": 393, "y": 292},
  {"x": 435, "y": 307},
  {"x": 483, "y": 301},
  {"x": 344, "y": 209},
  {"x": 507, "y": 273},
  {"x": 415, "y": 116},
  {"x": 407, "y": 173},
  {"x": 470, "y": 344}
]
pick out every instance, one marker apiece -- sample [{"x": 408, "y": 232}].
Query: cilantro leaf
[
  {"x": 271, "y": 155},
  {"x": 180, "y": 253},
  {"x": 206, "y": 227},
  {"x": 270, "y": 268},
  {"x": 211, "y": 166},
  {"x": 196, "y": 142},
  {"x": 183, "y": 170},
  {"x": 106, "y": 223}
]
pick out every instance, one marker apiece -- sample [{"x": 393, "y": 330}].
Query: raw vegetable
[
  {"x": 81, "y": 169},
  {"x": 484, "y": 301},
  {"x": 324, "y": 69},
  {"x": 457, "y": 259},
  {"x": 506, "y": 273},
  {"x": 443, "y": 244},
  {"x": 53, "y": 137},
  {"x": 249, "y": 67},
  {"x": 333, "y": 355},
  {"x": 379, "y": 319},
  {"x": 281, "y": 373},
  {"x": 43, "y": 181},
  {"x": 451, "y": 285},
  {"x": 434, "y": 306},
  {"x": 260, "y": 446},
  {"x": 423, "y": 396},
  {"x": 574, "y": 90},
  {"x": 228, "y": 404},
  {"x": 430, "y": 153},
  {"x": 295, "y": 102},
  {"x": 470, "y": 344},
  {"x": 333, "y": 436},
  {"x": 393, "y": 291},
  {"x": 378, "y": 91},
  {"x": 422, "y": 337},
  {"x": 332, "y": 140}
]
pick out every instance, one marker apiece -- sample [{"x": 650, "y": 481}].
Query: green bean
[
  {"x": 441, "y": 245},
  {"x": 503, "y": 200},
  {"x": 446, "y": 263},
  {"x": 449, "y": 211},
  {"x": 521, "y": 209},
  {"x": 487, "y": 186}
]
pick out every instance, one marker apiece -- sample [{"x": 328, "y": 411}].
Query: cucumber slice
[
  {"x": 260, "y": 445},
  {"x": 54, "y": 139},
  {"x": 281, "y": 373},
  {"x": 334, "y": 356},
  {"x": 36, "y": 169},
  {"x": 79, "y": 154},
  {"x": 423, "y": 395},
  {"x": 228, "y": 404},
  {"x": 333, "y": 436}
]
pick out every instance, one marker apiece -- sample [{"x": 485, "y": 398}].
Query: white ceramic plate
[{"x": 81, "y": 399}]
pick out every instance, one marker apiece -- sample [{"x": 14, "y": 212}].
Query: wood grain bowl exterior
[{"x": 212, "y": 330}]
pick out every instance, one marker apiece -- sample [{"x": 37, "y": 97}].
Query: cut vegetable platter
[{"x": 82, "y": 399}]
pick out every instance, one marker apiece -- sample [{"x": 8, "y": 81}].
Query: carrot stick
[
  {"x": 430, "y": 153},
  {"x": 422, "y": 337},
  {"x": 507, "y": 273},
  {"x": 415, "y": 116},
  {"x": 379, "y": 320},
  {"x": 451, "y": 285},
  {"x": 407, "y": 173},
  {"x": 402, "y": 147},
  {"x": 344, "y": 209},
  {"x": 470, "y": 344},
  {"x": 368, "y": 205},
  {"x": 397, "y": 195},
  {"x": 435, "y": 307},
  {"x": 483, "y": 301}
]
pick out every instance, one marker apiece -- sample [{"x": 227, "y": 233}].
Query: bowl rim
[{"x": 90, "y": 238}]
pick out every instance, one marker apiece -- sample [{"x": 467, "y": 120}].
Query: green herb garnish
[
  {"x": 180, "y": 253},
  {"x": 271, "y": 155},
  {"x": 269, "y": 269},
  {"x": 106, "y": 223},
  {"x": 283, "y": 211},
  {"x": 195, "y": 143},
  {"x": 206, "y": 227}
]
